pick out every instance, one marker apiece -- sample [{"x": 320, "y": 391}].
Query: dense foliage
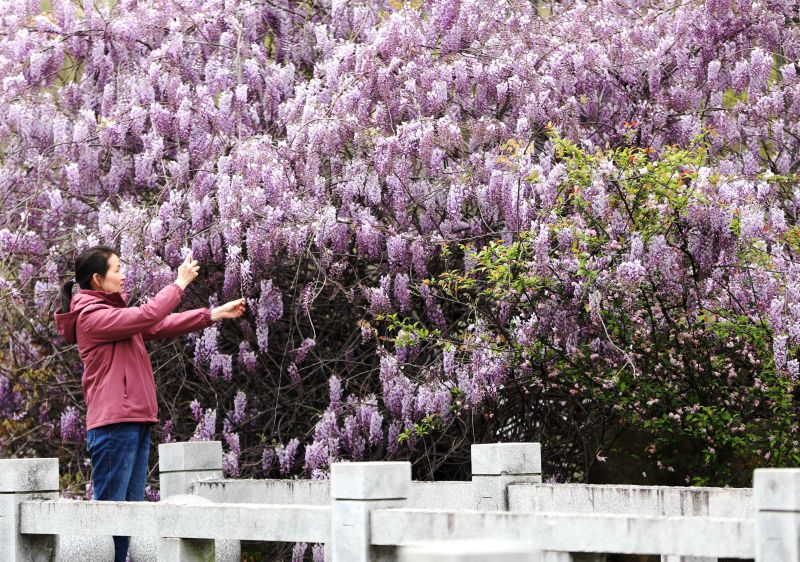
[
  {"x": 428, "y": 263},
  {"x": 652, "y": 292}
]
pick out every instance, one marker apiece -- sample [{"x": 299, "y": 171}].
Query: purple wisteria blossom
[
  {"x": 207, "y": 426},
  {"x": 72, "y": 426},
  {"x": 267, "y": 460},
  {"x": 239, "y": 407},
  {"x": 286, "y": 456},
  {"x": 230, "y": 459}
]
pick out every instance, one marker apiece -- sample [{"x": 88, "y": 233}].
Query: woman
[{"x": 118, "y": 382}]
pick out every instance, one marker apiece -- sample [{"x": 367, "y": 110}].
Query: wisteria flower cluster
[{"x": 329, "y": 161}]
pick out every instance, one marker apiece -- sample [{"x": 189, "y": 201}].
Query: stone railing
[{"x": 373, "y": 511}]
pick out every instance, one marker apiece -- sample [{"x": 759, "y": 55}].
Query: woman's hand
[
  {"x": 233, "y": 309},
  {"x": 187, "y": 272}
]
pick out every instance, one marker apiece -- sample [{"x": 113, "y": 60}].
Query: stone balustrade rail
[{"x": 371, "y": 511}]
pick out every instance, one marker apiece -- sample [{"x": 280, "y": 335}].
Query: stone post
[
  {"x": 180, "y": 466},
  {"x": 22, "y": 480},
  {"x": 496, "y": 465},
  {"x": 356, "y": 489},
  {"x": 776, "y": 498}
]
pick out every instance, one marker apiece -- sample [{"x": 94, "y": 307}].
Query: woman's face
[{"x": 114, "y": 278}]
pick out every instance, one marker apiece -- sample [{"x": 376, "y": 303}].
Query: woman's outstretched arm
[{"x": 180, "y": 323}]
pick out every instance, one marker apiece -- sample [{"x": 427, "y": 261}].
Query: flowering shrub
[
  {"x": 652, "y": 294},
  {"x": 325, "y": 159}
]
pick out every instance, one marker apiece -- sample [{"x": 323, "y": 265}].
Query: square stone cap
[
  {"x": 370, "y": 480},
  {"x": 28, "y": 475},
  {"x": 776, "y": 489},
  {"x": 494, "y": 459},
  {"x": 190, "y": 455}
]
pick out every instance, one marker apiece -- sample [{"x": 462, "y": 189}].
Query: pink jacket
[{"x": 118, "y": 382}]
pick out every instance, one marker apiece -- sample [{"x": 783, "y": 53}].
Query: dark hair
[{"x": 91, "y": 261}]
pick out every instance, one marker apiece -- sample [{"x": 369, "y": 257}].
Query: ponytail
[
  {"x": 91, "y": 261},
  {"x": 66, "y": 295}
]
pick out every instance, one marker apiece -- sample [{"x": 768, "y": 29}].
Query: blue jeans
[{"x": 119, "y": 467}]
